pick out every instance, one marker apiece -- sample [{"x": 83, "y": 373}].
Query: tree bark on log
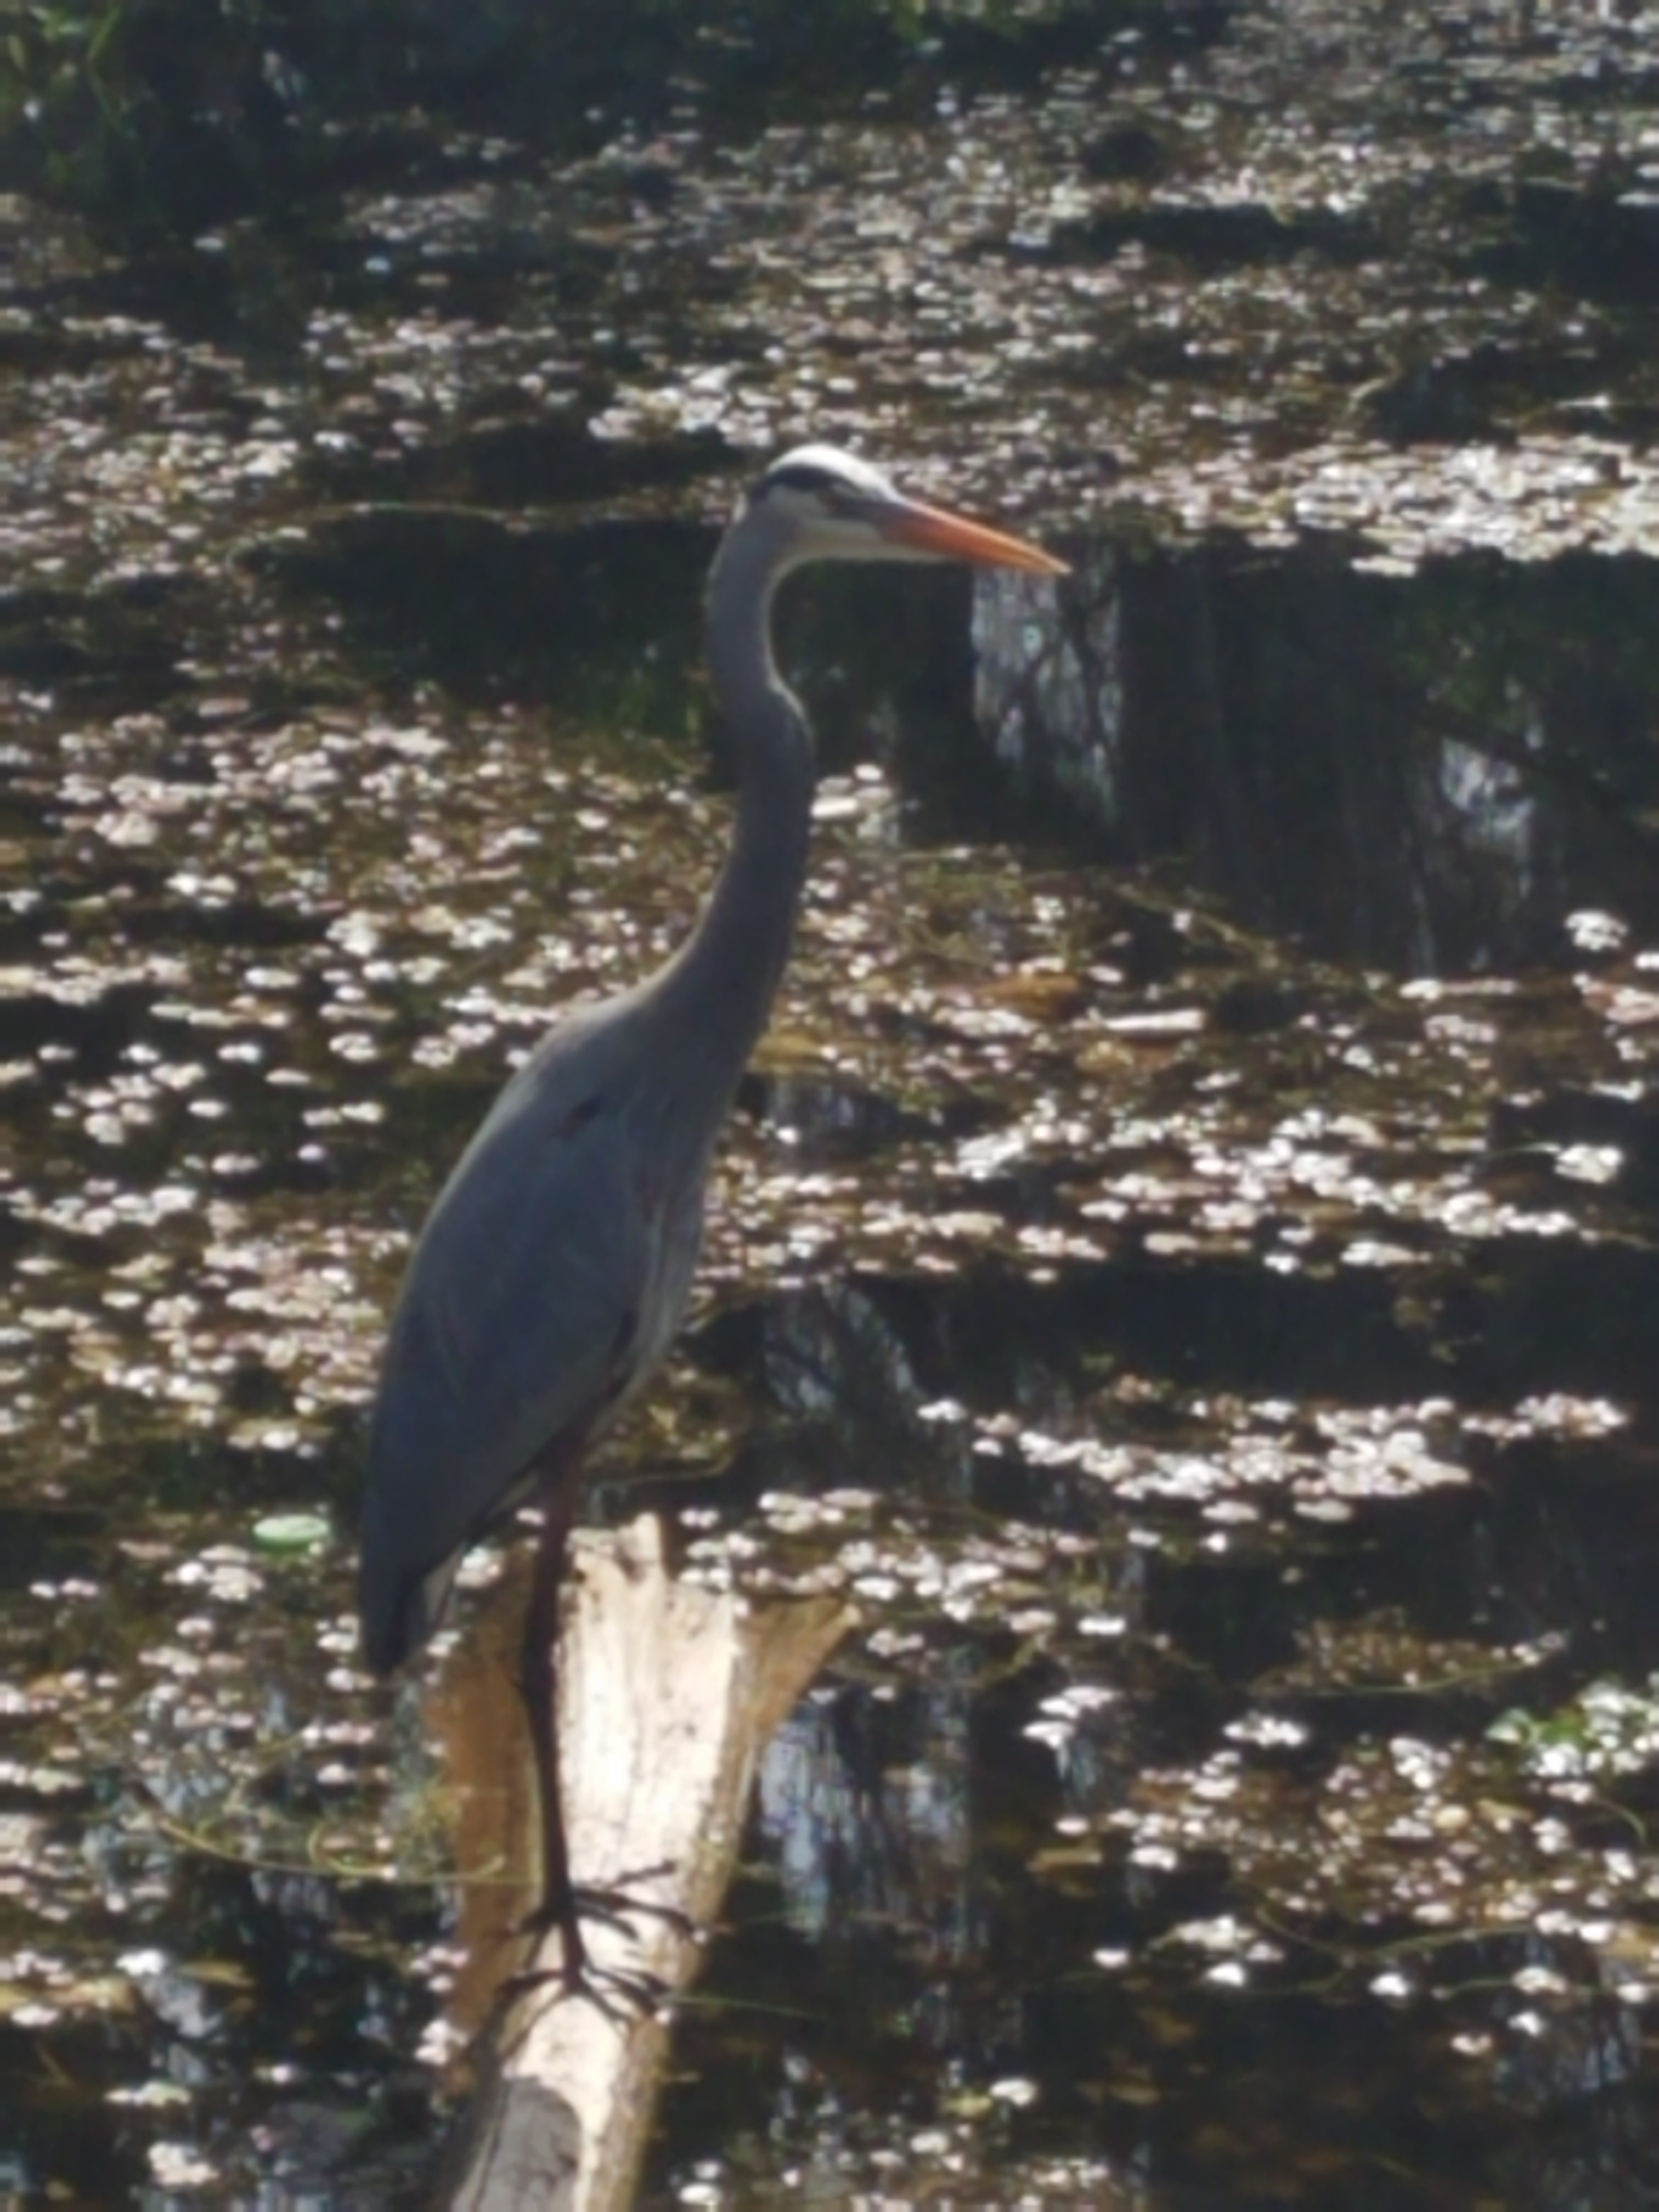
[{"x": 668, "y": 1692}]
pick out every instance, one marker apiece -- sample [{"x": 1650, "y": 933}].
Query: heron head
[{"x": 826, "y": 505}]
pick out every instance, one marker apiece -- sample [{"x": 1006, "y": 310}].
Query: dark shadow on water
[{"x": 1428, "y": 773}]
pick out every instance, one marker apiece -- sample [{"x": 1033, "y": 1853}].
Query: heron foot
[
  {"x": 621, "y": 1996},
  {"x": 613, "y": 1905}
]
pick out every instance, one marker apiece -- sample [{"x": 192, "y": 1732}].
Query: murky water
[
  {"x": 1221, "y": 1376},
  {"x": 1184, "y": 1264}
]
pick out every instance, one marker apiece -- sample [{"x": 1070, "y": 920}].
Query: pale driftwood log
[{"x": 667, "y": 1694}]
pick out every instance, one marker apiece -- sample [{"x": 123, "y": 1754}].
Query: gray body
[
  {"x": 553, "y": 1270},
  {"x": 549, "y": 1280}
]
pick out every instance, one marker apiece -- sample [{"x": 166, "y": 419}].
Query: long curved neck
[{"x": 721, "y": 982}]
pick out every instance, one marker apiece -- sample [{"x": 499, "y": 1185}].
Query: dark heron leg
[
  {"x": 562, "y": 1904},
  {"x": 557, "y": 1907}
]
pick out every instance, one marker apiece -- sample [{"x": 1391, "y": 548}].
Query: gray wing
[{"x": 513, "y": 1327}]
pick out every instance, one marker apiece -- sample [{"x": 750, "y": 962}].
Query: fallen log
[{"x": 668, "y": 1692}]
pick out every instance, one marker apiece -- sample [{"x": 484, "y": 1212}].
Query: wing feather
[{"x": 514, "y": 1328}]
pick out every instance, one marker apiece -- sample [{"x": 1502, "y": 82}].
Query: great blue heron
[{"x": 553, "y": 1272}]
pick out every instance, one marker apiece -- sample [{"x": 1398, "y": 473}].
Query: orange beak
[{"x": 947, "y": 537}]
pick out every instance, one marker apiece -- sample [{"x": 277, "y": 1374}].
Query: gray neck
[{"x": 721, "y": 985}]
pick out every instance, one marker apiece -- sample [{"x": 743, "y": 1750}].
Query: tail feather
[{"x": 401, "y": 1606}]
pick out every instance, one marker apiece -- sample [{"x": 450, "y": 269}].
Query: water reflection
[
  {"x": 866, "y": 1810},
  {"x": 1429, "y": 773}
]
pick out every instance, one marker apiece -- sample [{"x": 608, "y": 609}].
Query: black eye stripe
[{"x": 800, "y": 476}]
